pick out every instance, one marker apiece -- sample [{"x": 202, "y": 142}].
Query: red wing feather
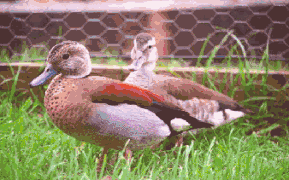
[{"x": 134, "y": 91}]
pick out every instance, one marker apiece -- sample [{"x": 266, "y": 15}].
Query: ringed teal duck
[
  {"x": 101, "y": 110},
  {"x": 203, "y": 103}
]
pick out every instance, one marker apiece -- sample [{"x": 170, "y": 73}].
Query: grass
[{"x": 252, "y": 147}]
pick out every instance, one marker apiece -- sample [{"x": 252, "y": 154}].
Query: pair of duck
[{"x": 142, "y": 109}]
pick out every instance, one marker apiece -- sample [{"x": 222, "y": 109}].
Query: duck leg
[{"x": 128, "y": 154}]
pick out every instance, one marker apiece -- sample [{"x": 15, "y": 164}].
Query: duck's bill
[
  {"x": 42, "y": 78},
  {"x": 136, "y": 64}
]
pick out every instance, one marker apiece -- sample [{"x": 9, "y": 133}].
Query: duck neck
[
  {"x": 148, "y": 69},
  {"x": 142, "y": 77}
]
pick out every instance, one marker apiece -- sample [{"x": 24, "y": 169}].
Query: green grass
[{"x": 252, "y": 147}]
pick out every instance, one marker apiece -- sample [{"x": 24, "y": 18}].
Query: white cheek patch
[
  {"x": 134, "y": 43},
  {"x": 153, "y": 55},
  {"x": 152, "y": 42}
]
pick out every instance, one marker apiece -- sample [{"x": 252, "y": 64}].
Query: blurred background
[{"x": 107, "y": 27}]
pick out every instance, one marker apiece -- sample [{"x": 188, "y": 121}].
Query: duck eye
[
  {"x": 65, "y": 56},
  {"x": 150, "y": 47}
]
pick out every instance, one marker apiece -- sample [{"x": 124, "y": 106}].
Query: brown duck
[{"x": 104, "y": 111}]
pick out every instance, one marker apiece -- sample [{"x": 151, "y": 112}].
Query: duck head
[
  {"x": 144, "y": 53},
  {"x": 69, "y": 58}
]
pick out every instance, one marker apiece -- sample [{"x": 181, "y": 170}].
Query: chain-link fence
[{"x": 187, "y": 30}]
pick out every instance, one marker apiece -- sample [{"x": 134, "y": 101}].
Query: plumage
[
  {"x": 201, "y": 102},
  {"x": 104, "y": 111}
]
